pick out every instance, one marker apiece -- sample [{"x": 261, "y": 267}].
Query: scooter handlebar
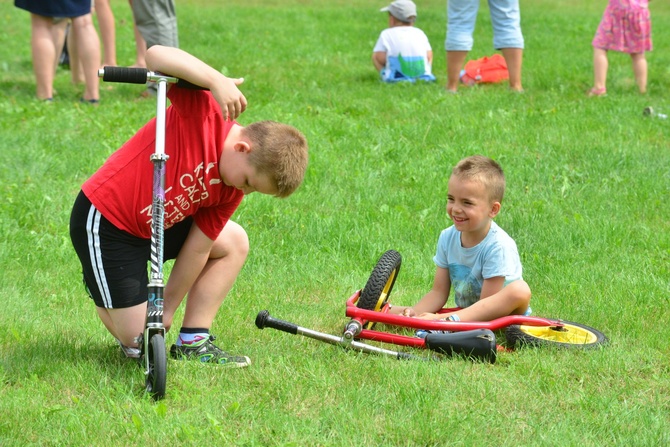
[
  {"x": 127, "y": 75},
  {"x": 134, "y": 75}
]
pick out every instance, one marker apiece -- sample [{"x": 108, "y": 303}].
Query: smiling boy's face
[{"x": 470, "y": 207}]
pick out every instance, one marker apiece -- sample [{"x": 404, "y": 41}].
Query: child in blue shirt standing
[{"x": 475, "y": 257}]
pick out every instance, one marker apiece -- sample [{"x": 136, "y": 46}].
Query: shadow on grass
[{"x": 48, "y": 358}]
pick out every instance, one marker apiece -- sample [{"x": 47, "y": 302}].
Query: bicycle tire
[
  {"x": 377, "y": 290},
  {"x": 571, "y": 335}
]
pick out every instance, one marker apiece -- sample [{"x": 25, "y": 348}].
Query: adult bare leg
[
  {"x": 45, "y": 52},
  {"x": 514, "y": 59},
  {"x": 455, "y": 62},
  {"x": 87, "y": 46},
  {"x": 107, "y": 25}
]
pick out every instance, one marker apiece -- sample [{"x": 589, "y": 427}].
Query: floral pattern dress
[{"x": 625, "y": 27}]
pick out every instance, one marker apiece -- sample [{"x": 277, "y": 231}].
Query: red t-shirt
[{"x": 122, "y": 189}]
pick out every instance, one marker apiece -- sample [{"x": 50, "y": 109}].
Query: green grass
[{"x": 588, "y": 182}]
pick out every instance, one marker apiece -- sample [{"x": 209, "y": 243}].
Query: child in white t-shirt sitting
[{"x": 402, "y": 52}]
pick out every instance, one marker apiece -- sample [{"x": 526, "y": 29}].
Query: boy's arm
[
  {"x": 492, "y": 286},
  {"x": 182, "y": 65},
  {"x": 433, "y": 301},
  {"x": 187, "y": 267},
  {"x": 379, "y": 59}
]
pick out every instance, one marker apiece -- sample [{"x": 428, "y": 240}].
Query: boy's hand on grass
[{"x": 230, "y": 98}]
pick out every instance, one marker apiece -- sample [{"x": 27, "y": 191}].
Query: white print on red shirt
[{"x": 193, "y": 190}]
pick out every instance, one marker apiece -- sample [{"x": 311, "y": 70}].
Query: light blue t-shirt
[{"x": 496, "y": 255}]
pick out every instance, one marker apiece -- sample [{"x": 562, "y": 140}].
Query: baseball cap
[{"x": 401, "y": 10}]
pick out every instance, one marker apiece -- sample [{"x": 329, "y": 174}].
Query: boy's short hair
[
  {"x": 484, "y": 170},
  {"x": 279, "y": 151}
]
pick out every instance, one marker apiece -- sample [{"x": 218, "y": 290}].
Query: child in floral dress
[{"x": 625, "y": 27}]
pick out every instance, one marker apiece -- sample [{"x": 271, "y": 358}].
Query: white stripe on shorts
[{"x": 93, "y": 235}]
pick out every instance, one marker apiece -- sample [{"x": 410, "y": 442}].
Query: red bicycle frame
[{"x": 364, "y": 316}]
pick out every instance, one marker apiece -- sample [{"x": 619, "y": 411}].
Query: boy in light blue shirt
[{"x": 474, "y": 257}]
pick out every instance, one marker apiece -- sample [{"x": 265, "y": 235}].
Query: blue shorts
[
  {"x": 461, "y": 18},
  {"x": 113, "y": 261}
]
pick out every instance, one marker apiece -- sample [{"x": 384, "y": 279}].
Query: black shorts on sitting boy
[{"x": 213, "y": 162}]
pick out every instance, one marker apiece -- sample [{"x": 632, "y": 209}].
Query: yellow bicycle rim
[
  {"x": 385, "y": 293},
  {"x": 569, "y": 334}
]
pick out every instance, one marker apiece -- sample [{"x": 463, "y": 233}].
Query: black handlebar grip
[
  {"x": 263, "y": 319},
  {"x": 126, "y": 75},
  {"x": 478, "y": 344}
]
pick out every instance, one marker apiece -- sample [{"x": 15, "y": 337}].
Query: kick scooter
[{"x": 152, "y": 341}]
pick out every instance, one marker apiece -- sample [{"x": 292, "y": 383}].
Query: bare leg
[
  {"x": 107, "y": 25},
  {"x": 76, "y": 70},
  {"x": 600, "y": 65},
  {"x": 215, "y": 281},
  {"x": 45, "y": 52},
  {"x": 514, "y": 58},
  {"x": 640, "y": 70},
  {"x": 58, "y": 37},
  {"x": 87, "y": 46},
  {"x": 124, "y": 324},
  {"x": 455, "y": 61},
  {"x": 140, "y": 43},
  {"x": 140, "y": 49},
  {"x": 513, "y": 299}
]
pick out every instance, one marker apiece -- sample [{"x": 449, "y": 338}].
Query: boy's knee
[
  {"x": 233, "y": 241},
  {"x": 241, "y": 242},
  {"x": 521, "y": 291}
]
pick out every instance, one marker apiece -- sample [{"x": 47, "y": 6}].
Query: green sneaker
[{"x": 207, "y": 352}]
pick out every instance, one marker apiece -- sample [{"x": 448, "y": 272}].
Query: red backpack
[{"x": 487, "y": 70}]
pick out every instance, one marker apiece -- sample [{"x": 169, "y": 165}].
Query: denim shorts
[{"x": 461, "y": 18}]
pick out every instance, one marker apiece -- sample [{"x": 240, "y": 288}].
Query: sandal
[
  {"x": 598, "y": 91},
  {"x": 93, "y": 102}
]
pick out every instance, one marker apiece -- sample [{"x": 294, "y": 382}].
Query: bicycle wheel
[
  {"x": 571, "y": 335},
  {"x": 376, "y": 292},
  {"x": 157, "y": 374}
]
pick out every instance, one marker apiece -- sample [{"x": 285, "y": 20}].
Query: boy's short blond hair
[
  {"x": 279, "y": 151},
  {"x": 484, "y": 170}
]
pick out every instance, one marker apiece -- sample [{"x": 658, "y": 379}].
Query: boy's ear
[
  {"x": 242, "y": 146},
  {"x": 495, "y": 209}
]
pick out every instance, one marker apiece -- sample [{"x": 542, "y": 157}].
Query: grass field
[{"x": 588, "y": 184}]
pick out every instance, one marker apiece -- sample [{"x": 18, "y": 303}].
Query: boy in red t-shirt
[{"x": 213, "y": 162}]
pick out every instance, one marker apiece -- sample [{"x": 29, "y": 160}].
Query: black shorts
[{"x": 113, "y": 261}]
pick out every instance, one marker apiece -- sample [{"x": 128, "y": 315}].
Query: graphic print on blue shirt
[{"x": 467, "y": 289}]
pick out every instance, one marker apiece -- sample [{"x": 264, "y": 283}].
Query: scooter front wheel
[
  {"x": 570, "y": 335},
  {"x": 157, "y": 371}
]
